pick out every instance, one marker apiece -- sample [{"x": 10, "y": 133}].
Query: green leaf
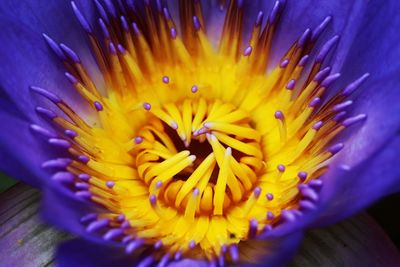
[{"x": 6, "y": 182}]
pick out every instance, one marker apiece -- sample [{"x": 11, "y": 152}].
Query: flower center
[
  {"x": 199, "y": 157},
  {"x": 193, "y": 150}
]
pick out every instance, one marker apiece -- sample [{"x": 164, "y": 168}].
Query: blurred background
[{"x": 385, "y": 212}]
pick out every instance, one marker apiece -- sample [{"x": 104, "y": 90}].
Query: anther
[
  {"x": 234, "y": 251},
  {"x": 253, "y": 225},
  {"x": 102, "y": 11},
  {"x": 83, "y": 158},
  {"x": 71, "y": 78},
  {"x": 121, "y": 49},
  {"x": 257, "y": 192},
  {"x": 104, "y": 29},
  {"x": 124, "y": 24},
  {"x": 59, "y": 143},
  {"x": 126, "y": 239},
  {"x": 334, "y": 149},
  {"x": 318, "y": 125},
  {"x": 138, "y": 140},
  {"x": 159, "y": 184},
  {"x": 167, "y": 15},
  {"x": 309, "y": 193},
  {"x": 247, "y": 51},
  {"x": 164, "y": 260},
  {"x": 330, "y": 80},
  {"x": 49, "y": 95},
  {"x": 302, "y": 176},
  {"x": 64, "y": 177},
  {"x": 110, "y": 8},
  {"x": 173, "y": 33},
  {"x": 125, "y": 225},
  {"x": 113, "y": 233},
  {"x": 307, "y": 205},
  {"x": 259, "y": 19},
  {"x": 134, "y": 245},
  {"x": 82, "y": 20},
  {"x": 290, "y": 85},
  {"x": 269, "y": 196},
  {"x": 112, "y": 49},
  {"x": 83, "y": 194},
  {"x": 284, "y": 64},
  {"x": 341, "y": 106},
  {"x": 274, "y": 13},
  {"x": 320, "y": 76},
  {"x": 288, "y": 216},
  {"x": 70, "y": 54},
  {"x": 196, "y": 23},
  {"x": 158, "y": 245},
  {"x": 320, "y": 28},
  {"x": 270, "y": 215},
  {"x": 313, "y": 103},
  {"x": 57, "y": 163},
  {"x": 70, "y": 133},
  {"x": 352, "y": 120},
  {"x": 303, "y": 61},
  {"x": 40, "y": 130},
  {"x": 316, "y": 183},
  {"x": 153, "y": 199},
  {"x": 135, "y": 28},
  {"x": 304, "y": 38},
  {"x": 88, "y": 218},
  {"x": 54, "y": 46},
  {"x": 97, "y": 225},
  {"x": 84, "y": 177},
  {"x": 165, "y": 79},
  {"x": 120, "y": 218},
  {"x": 110, "y": 184},
  {"x": 340, "y": 116},
  {"x": 146, "y": 262},
  {"x": 279, "y": 115},
  {"x": 98, "y": 106},
  {"x": 326, "y": 48},
  {"x": 194, "y": 89},
  {"x": 192, "y": 244},
  {"x": 354, "y": 85},
  {"x": 178, "y": 255},
  {"x": 146, "y": 106},
  {"x": 281, "y": 168}
]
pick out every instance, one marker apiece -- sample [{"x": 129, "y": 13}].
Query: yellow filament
[{"x": 221, "y": 183}]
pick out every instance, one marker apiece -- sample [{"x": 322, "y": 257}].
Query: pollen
[{"x": 195, "y": 147}]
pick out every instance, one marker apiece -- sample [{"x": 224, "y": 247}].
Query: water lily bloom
[{"x": 199, "y": 133}]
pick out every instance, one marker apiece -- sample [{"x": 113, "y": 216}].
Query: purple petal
[
  {"x": 370, "y": 147},
  {"x": 297, "y": 17},
  {"x": 370, "y": 150},
  {"x": 29, "y": 60},
  {"x": 347, "y": 191},
  {"x": 65, "y": 210},
  {"x": 375, "y": 50},
  {"x": 273, "y": 252},
  {"x": 82, "y": 253},
  {"x": 21, "y": 153}
]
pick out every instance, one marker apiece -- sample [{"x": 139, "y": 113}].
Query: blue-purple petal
[
  {"x": 347, "y": 191},
  {"x": 63, "y": 209},
  {"x": 375, "y": 50},
  {"x": 28, "y": 59},
  {"x": 21, "y": 152},
  {"x": 271, "y": 252},
  {"x": 83, "y": 253},
  {"x": 370, "y": 149}
]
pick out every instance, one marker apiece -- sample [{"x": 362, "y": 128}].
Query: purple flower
[{"x": 201, "y": 132}]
